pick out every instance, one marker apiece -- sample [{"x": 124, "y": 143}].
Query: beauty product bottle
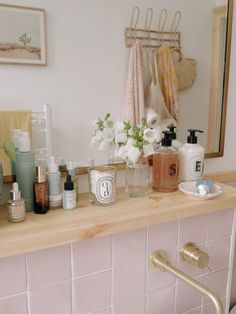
[
  {"x": 54, "y": 183},
  {"x": 25, "y": 170},
  {"x": 15, "y": 142},
  {"x": 69, "y": 194},
  {"x": 74, "y": 177},
  {"x": 62, "y": 165},
  {"x": 175, "y": 143},
  {"x": 165, "y": 166},
  {"x": 41, "y": 197},
  {"x": 16, "y": 205},
  {"x": 191, "y": 158}
]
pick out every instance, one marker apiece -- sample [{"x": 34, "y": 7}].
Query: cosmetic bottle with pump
[
  {"x": 16, "y": 205},
  {"x": 191, "y": 157},
  {"x": 69, "y": 194},
  {"x": 74, "y": 177},
  {"x": 175, "y": 143},
  {"x": 25, "y": 170},
  {"x": 41, "y": 196},
  {"x": 54, "y": 183},
  {"x": 165, "y": 166}
]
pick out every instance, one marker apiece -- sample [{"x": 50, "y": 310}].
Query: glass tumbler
[{"x": 102, "y": 185}]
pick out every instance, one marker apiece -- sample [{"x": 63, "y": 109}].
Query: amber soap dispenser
[
  {"x": 165, "y": 166},
  {"x": 41, "y": 198}
]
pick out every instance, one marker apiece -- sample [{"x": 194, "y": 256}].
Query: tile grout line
[
  {"x": 71, "y": 281},
  {"x": 112, "y": 277},
  {"x": 27, "y": 278},
  {"x": 146, "y": 269}
]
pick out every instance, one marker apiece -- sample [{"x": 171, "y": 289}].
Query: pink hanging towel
[
  {"x": 133, "y": 106},
  {"x": 168, "y": 80}
]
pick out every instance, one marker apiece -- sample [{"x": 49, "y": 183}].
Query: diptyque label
[{"x": 105, "y": 189}]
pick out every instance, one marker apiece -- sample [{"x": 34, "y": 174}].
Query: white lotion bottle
[
  {"x": 191, "y": 158},
  {"x": 55, "y": 196}
]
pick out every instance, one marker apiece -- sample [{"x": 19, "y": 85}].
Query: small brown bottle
[
  {"x": 165, "y": 166},
  {"x": 41, "y": 198}
]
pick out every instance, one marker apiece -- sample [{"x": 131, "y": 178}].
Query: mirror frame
[{"x": 220, "y": 153}]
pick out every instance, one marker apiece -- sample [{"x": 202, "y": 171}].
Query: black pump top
[
  {"x": 172, "y": 128},
  {"x": 192, "y": 138},
  {"x": 167, "y": 139},
  {"x": 68, "y": 185}
]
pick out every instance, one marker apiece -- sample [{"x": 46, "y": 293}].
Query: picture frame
[{"x": 22, "y": 35}]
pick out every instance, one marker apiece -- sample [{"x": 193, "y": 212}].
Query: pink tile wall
[{"x": 109, "y": 275}]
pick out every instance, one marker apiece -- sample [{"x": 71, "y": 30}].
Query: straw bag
[{"x": 186, "y": 72}]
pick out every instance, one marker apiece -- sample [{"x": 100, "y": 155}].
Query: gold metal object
[
  {"x": 158, "y": 262},
  {"x": 191, "y": 254}
]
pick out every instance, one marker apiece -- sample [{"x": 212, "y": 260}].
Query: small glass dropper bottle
[{"x": 16, "y": 205}]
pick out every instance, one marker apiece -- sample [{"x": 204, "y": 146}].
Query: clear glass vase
[{"x": 137, "y": 177}]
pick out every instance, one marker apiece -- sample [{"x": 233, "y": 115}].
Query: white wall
[{"x": 87, "y": 64}]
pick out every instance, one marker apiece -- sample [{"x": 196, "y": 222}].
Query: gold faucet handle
[{"x": 191, "y": 254}]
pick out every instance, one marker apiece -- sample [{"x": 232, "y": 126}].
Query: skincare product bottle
[
  {"x": 15, "y": 142},
  {"x": 69, "y": 194},
  {"x": 41, "y": 198},
  {"x": 175, "y": 143},
  {"x": 74, "y": 177},
  {"x": 165, "y": 166},
  {"x": 191, "y": 157},
  {"x": 25, "y": 170},
  {"x": 62, "y": 165},
  {"x": 16, "y": 205},
  {"x": 54, "y": 183}
]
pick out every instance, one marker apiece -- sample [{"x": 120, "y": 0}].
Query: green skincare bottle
[{"x": 25, "y": 170}]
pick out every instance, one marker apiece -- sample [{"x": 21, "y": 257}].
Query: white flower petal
[
  {"x": 149, "y": 135},
  {"x": 121, "y": 137},
  {"x": 148, "y": 150},
  {"x": 119, "y": 126},
  {"x": 133, "y": 154}
]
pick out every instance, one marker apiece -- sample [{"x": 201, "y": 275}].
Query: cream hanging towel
[
  {"x": 9, "y": 120},
  {"x": 133, "y": 107},
  {"x": 168, "y": 80}
]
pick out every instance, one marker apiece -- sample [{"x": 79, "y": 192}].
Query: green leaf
[
  {"x": 107, "y": 116},
  {"x": 10, "y": 150}
]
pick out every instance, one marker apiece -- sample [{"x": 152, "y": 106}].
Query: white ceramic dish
[{"x": 190, "y": 189}]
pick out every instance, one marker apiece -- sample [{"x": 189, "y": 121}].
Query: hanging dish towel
[
  {"x": 155, "y": 98},
  {"x": 168, "y": 80},
  {"x": 133, "y": 106},
  {"x": 9, "y": 120}
]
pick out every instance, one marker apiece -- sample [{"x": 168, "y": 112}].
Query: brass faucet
[{"x": 158, "y": 262}]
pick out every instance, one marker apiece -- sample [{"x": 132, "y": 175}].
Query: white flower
[
  {"x": 121, "y": 137},
  {"x": 99, "y": 135},
  {"x": 158, "y": 133},
  {"x": 108, "y": 123},
  {"x": 119, "y": 126},
  {"x": 133, "y": 154},
  {"x": 129, "y": 143},
  {"x": 95, "y": 125},
  {"x": 105, "y": 146},
  {"x": 108, "y": 135},
  {"x": 148, "y": 149},
  {"x": 149, "y": 135}
]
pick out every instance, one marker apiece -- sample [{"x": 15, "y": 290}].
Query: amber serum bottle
[
  {"x": 165, "y": 166},
  {"x": 41, "y": 198}
]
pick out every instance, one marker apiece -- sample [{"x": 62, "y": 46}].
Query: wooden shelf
[{"x": 60, "y": 227}]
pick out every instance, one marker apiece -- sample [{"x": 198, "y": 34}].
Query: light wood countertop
[{"x": 60, "y": 227}]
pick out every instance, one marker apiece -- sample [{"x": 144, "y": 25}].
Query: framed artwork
[{"x": 22, "y": 35}]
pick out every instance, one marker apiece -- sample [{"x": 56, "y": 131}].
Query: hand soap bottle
[
  {"x": 175, "y": 143},
  {"x": 165, "y": 166},
  {"x": 191, "y": 157}
]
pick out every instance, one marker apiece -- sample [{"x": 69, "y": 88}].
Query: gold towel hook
[
  {"x": 161, "y": 24},
  {"x": 174, "y": 26},
  {"x": 147, "y": 25},
  {"x": 133, "y": 25},
  {"x": 176, "y": 21}
]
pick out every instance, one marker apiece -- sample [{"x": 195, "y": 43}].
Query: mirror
[{"x": 87, "y": 68}]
